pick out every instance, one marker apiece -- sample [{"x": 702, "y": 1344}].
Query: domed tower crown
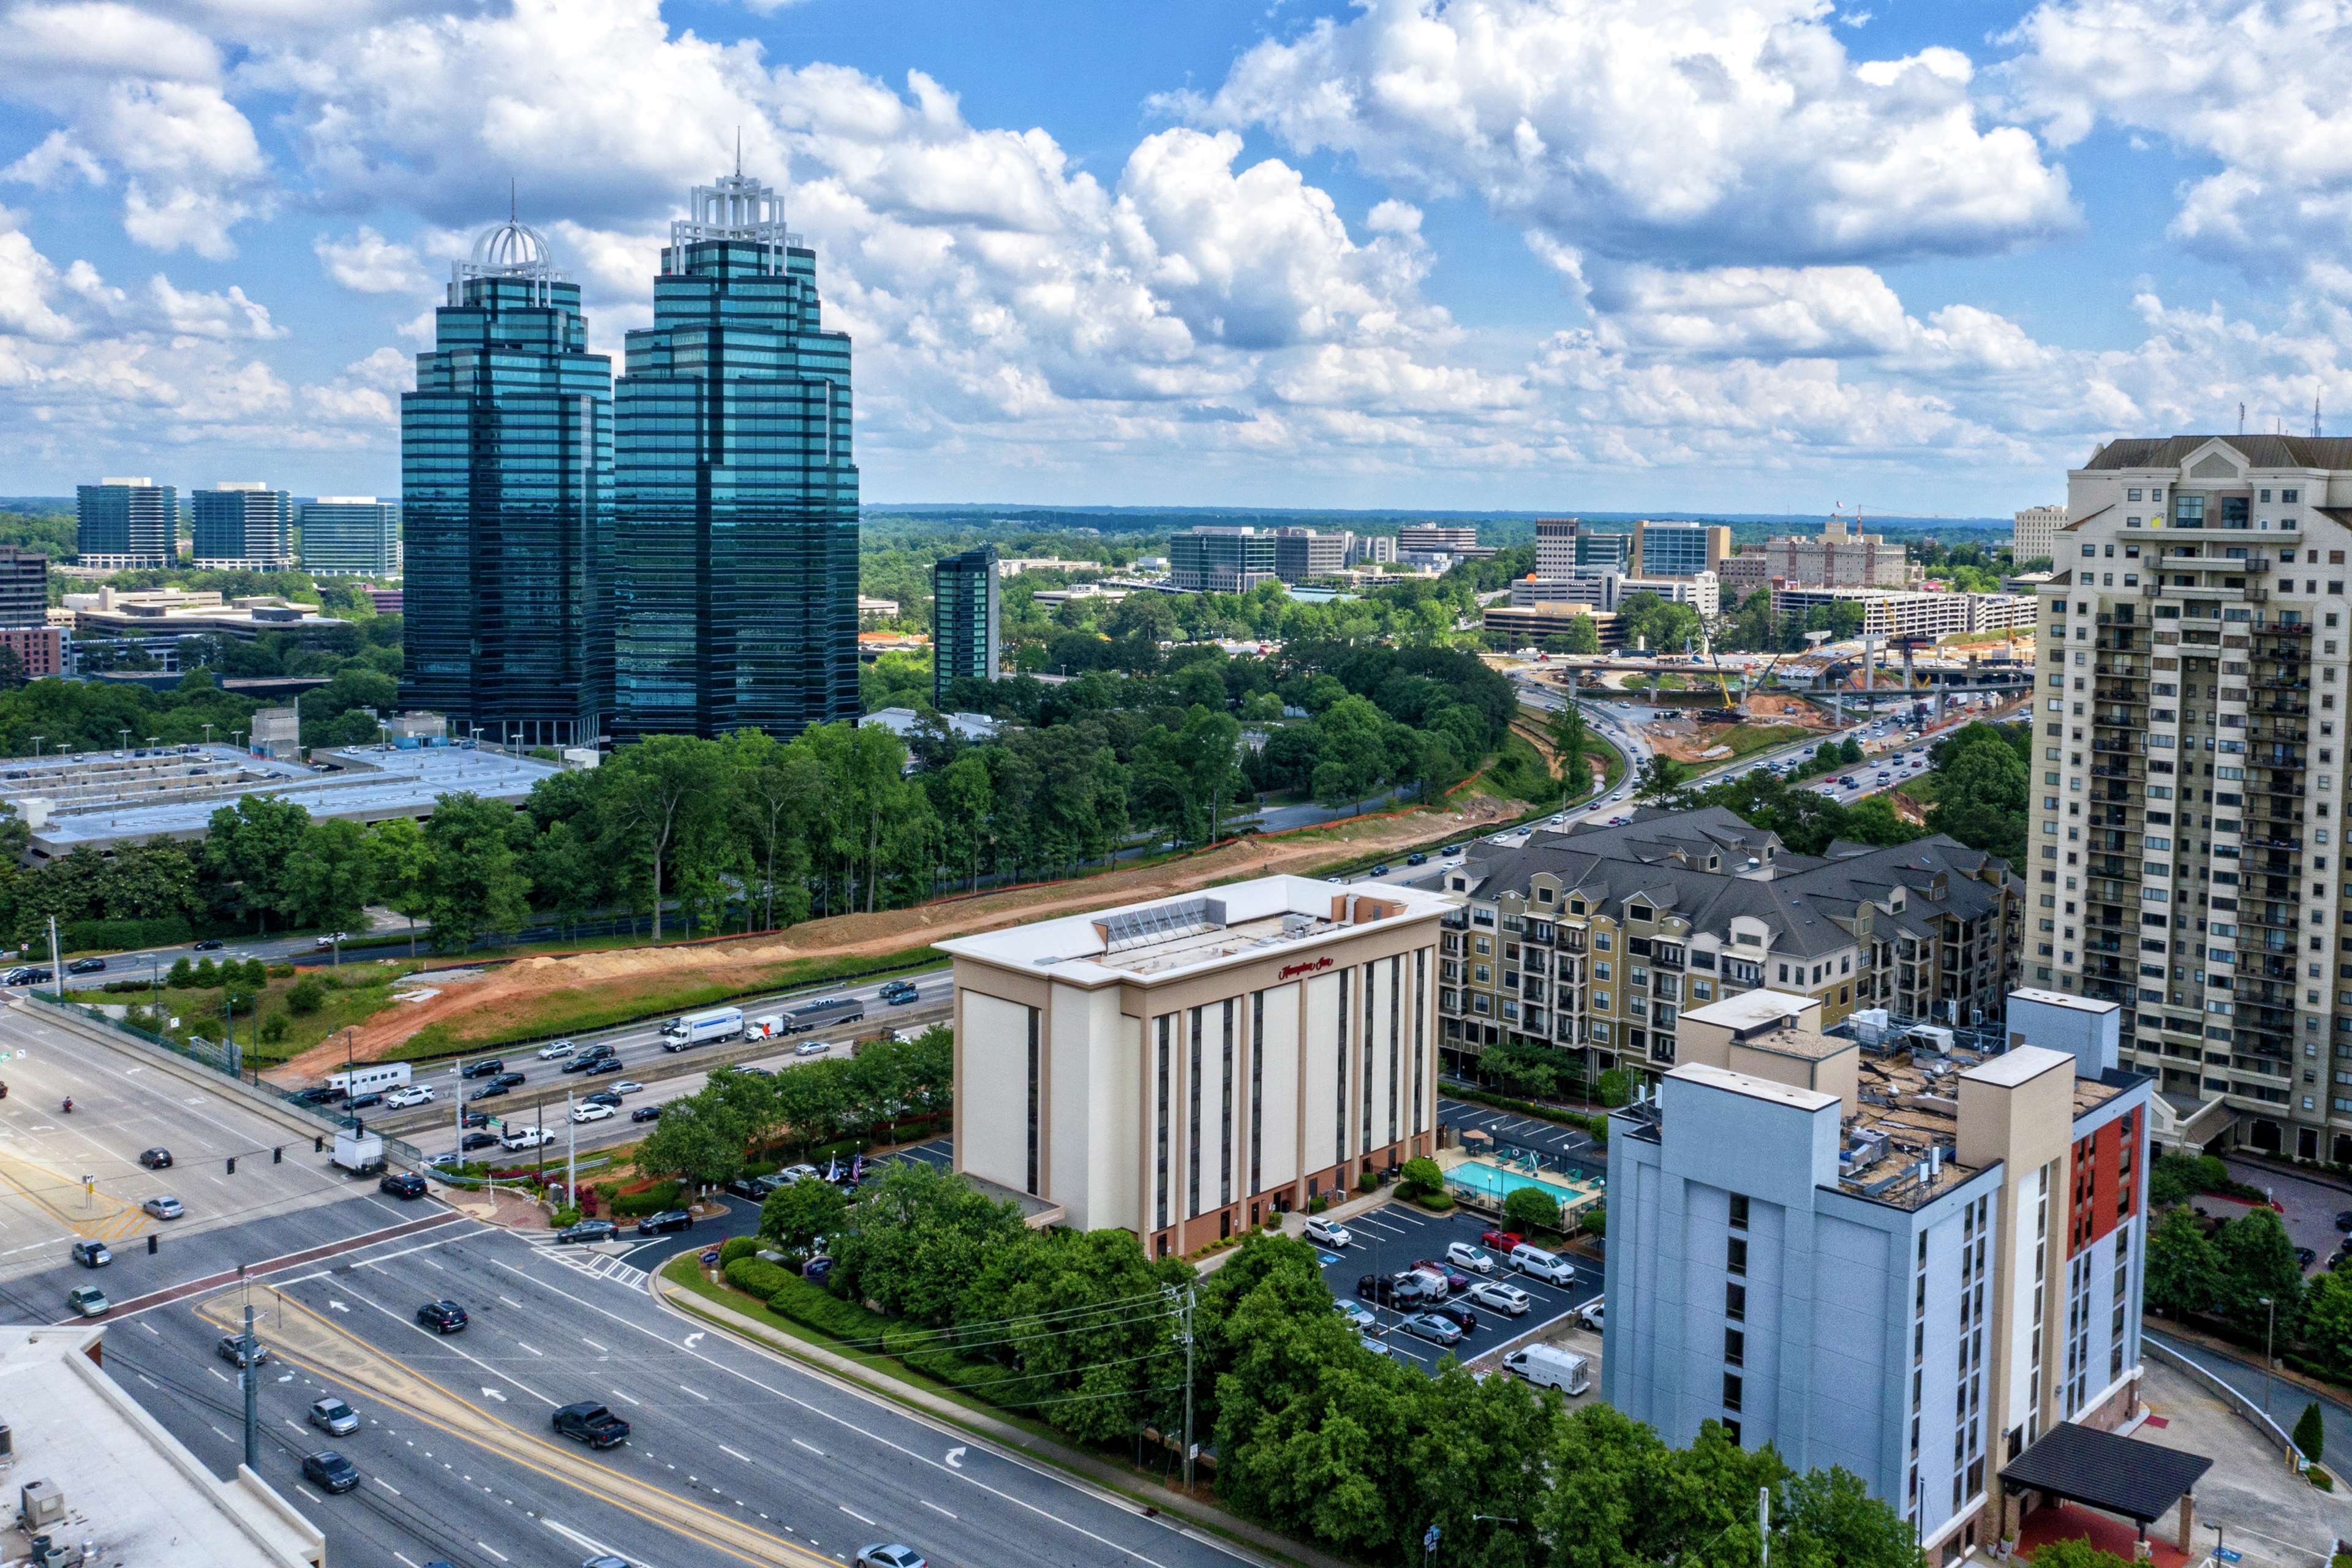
[{"x": 509, "y": 249}]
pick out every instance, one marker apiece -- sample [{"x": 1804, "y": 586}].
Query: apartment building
[
  {"x": 1555, "y": 546},
  {"x": 1910, "y": 1262},
  {"x": 2190, "y": 775},
  {"x": 1679, "y": 549},
  {"x": 1182, "y": 1068},
  {"x": 1594, "y": 941},
  {"x": 1913, "y": 613},
  {"x": 2033, "y": 533},
  {"x": 1839, "y": 556},
  {"x": 1220, "y": 560}
]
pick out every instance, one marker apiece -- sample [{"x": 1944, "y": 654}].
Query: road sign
[
  {"x": 1429, "y": 1542},
  {"x": 2227, "y": 1555}
]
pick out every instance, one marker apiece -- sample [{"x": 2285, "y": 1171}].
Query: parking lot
[
  {"x": 1395, "y": 1236},
  {"x": 1509, "y": 1130}
]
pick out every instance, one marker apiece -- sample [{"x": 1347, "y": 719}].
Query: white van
[
  {"x": 1546, "y": 1267},
  {"x": 1548, "y": 1367}
]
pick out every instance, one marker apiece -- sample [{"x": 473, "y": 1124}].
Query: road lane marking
[
  {"x": 810, "y": 1446},
  {"x": 494, "y": 1552},
  {"x": 385, "y": 1485},
  {"x": 858, "y": 1516},
  {"x": 697, "y": 1393},
  {"x": 745, "y": 1457}
]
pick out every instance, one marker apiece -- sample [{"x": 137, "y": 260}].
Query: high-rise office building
[
  {"x": 1873, "y": 1255},
  {"x": 1221, "y": 559},
  {"x": 1679, "y": 549},
  {"x": 127, "y": 524},
  {"x": 1303, "y": 554},
  {"x": 2033, "y": 535},
  {"x": 2188, "y": 760},
  {"x": 735, "y": 495},
  {"x": 243, "y": 523},
  {"x": 351, "y": 535},
  {"x": 24, "y": 587},
  {"x": 964, "y": 609},
  {"x": 1555, "y": 546},
  {"x": 1605, "y": 550},
  {"x": 506, "y": 467},
  {"x": 1429, "y": 537}
]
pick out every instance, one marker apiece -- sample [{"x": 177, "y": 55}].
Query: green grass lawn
[{"x": 1745, "y": 740}]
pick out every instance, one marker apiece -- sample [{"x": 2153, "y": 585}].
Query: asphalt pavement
[{"x": 1395, "y": 1236}]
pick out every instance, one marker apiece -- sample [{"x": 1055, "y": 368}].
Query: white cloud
[
  {"x": 231, "y": 315},
  {"x": 1733, "y": 132},
  {"x": 367, "y": 263},
  {"x": 50, "y": 163},
  {"x": 2255, "y": 86}
]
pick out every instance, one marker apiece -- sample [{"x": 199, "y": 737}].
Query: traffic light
[
  {"x": 151, "y": 1244},
  {"x": 278, "y": 1155},
  {"x": 232, "y": 1165},
  {"x": 318, "y": 1145}
]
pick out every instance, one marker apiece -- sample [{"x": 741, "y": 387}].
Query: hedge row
[
  {"x": 920, "y": 1350},
  {"x": 113, "y": 936},
  {"x": 1596, "y": 1124},
  {"x": 653, "y": 1200}
]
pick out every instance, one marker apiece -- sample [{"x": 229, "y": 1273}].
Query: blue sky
[{"x": 1556, "y": 254}]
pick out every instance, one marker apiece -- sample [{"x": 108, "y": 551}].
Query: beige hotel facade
[{"x": 1182, "y": 1068}]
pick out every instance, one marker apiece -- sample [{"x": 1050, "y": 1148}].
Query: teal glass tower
[
  {"x": 965, "y": 610},
  {"x": 506, "y": 472},
  {"x": 735, "y": 497}
]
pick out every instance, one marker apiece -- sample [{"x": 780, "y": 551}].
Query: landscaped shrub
[
  {"x": 653, "y": 1200},
  {"x": 735, "y": 1247},
  {"x": 1419, "y": 1178},
  {"x": 306, "y": 998},
  {"x": 564, "y": 1217},
  {"x": 757, "y": 1276},
  {"x": 1529, "y": 1209}
]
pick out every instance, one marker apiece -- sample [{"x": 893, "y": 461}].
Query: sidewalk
[{"x": 1218, "y": 1527}]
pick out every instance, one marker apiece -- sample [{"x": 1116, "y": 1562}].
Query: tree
[
  {"x": 1351, "y": 751},
  {"x": 306, "y": 997},
  {"x": 2258, "y": 1261},
  {"x": 183, "y": 973},
  {"x": 1659, "y": 777},
  {"x": 1873, "y": 820},
  {"x": 1613, "y": 1088},
  {"x": 1531, "y": 1209},
  {"x": 2183, "y": 1269},
  {"x": 2327, "y": 1320},
  {"x": 662, "y": 793},
  {"x": 474, "y": 883},
  {"x": 567, "y": 873},
  {"x": 2310, "y": 1433},
  {"x": 1420, "y": 1178},
  {"x": 798, "y": 1213},
  {"x": 399, "y": 862},
  {"x": 249, "y": 848},
  {"x": 1581, "y": 637},
  {"x": 1520, "y": 1068},
  {"x": 696, "y": 1140},
  {"x": 1569, "y": 738},
  {"x": 331, "y": 877}
]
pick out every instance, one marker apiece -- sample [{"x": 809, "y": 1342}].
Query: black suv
[
  {"x": 592, "y": 1424},
  {"x": 1400, "y": 1291},
  {"x": 1457, "y": 1314},
  {"x": 607, "y": 1064},
  {"x": 489, "y": 1090},
  {"x": 442, "y": 1317},
  {"x": 401, "y": 1185},
  {"x": 663, "y": 1223},
  {"x": 592, "y": 1060},
  {"x": 484, "y": 1068}
]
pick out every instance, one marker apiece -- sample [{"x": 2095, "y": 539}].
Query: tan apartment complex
[
  {"x": 1595, "y": 941},
  {"x": 1183, "y": 1068}
]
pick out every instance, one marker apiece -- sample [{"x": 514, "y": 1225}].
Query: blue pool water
[{"x": 1496, "y": 1183}]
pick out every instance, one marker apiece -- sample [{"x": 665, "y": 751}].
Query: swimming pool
[{"x": 1495, "y": 1183}]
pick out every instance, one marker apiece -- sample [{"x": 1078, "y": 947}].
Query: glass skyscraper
[
  {"x": 350, "y": 534},
  {"x": 964, "y": 609},
  {"x": 242, "y": 522},
  {"x": 127, "y": 524},
  {"x": 506, "y": 473},
  {"x": 735, "y": 498}
]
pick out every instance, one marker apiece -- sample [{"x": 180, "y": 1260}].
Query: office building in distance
[
  {"x": 242, "y": 525},
  {"x": 1371, "y": 549},
  {"x": 126, "y": 525},
  {"x": 964, "y": 620},
  {"x": 1913, "y": 612},
  {"x": 1183, "y": 1067},
  {"x": 2191, "y": 772},
  {"x": 24, "y": 586},
  {"x": 1460, "y": 542},
  {"x": 346, "y": 536},
  {"x": 1304, "y": 554},
  {"x": 1679, "y": 549},
  {"x": 1593, "y": 941},
  {"x": 2034, "y": 534},
  {"x": 1603, "y": 587},
  {"x": 1614, "y": 550},
  {"x": 1209, "y": 560},
  {"x": 1555, "y": 546},
  {"x": 735, "y": 488},
  {"x": 1839, "y": 556},
  {"x": 505, "y": 466},
  {"x": 1914, "y": 1263}
]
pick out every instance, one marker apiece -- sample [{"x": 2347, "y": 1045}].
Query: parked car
[
  {"x": 91, "y": 1254},
  {"x": 1452, "y": 1280},
  {"x": 592, "y": 1424},
  {"x": 89, "y": 1301},
  {"x": 329, "y": 1471},
  {"x": 1457, "y": 1314},
  {"x": 1329, "y": 1232},
  {"x": 755, "y": 1188},
  {"x": 1373, "y": 1345},
  {"x": 1429, "y": 1326},
  {"x": 1462, "y": 1255},
  {"x": 1401, "y": 1291},
  {"x": 587, "y": 1230},
  {"x": 1495, "y": 1296},
  {"x": 1550, "y": 1267},
  {"x": 334, "y": 1417},
  {"x": 1501, "y": 1241},
  {"x": 156, "y": 1159},
  {"x": 443, "y": 1317},
  {"x": 1590, "y": 1315},
  {"x": 401, "y": 1185},
  {"x": 1364, "y": 1318}
]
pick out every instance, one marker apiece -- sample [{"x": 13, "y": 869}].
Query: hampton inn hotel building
[{"x": 1178, "y": 1069}]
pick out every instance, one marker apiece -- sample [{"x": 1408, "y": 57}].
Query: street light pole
[{"x": 2270, "y": 1324}]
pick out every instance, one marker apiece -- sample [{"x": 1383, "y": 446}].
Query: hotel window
[
  {"x": 1739, "y": 1211},
  {"x": 1161, "y": 1132},
  {"x": 1734, "y": 1255},
  {"x": 1226, "y": 1131},
  {"x": 1339, "y": 1126},
  {"x": 1735, "y": 1347},
  {"x": 1420, "y": 1032},
  {"x": 1734, "y": 1301},
  {"x": 1396, "y": 1039},
  {"x": 1366, "y": 1146},
  {"x": 1257, "y": 1089},
  {"x": 1033, "y": 1188},
  {"x": 1192, "y": 1139},
  {"x": 1731, "y": 1391}
]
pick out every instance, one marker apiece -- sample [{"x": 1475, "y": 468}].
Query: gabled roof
[{"x": 2259, "y": 451}]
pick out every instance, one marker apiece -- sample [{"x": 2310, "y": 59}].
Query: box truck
[
  {"x": 702, "y": 1028},
  {"x": 1548, "y": 1367},
  {"x": 359, "y": 1151}
]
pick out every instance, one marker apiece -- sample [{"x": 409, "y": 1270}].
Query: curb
[{"x": 1227, "y": 1531}]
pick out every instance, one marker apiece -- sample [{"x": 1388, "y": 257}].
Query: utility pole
[
  {"x": 250, "y": 1376},
  {"x": 1763, "y": 1527},
  {"x": 1191, "y": 1292},
  {"x": 570, "y": 1155},
  {"x": 56, "y": 964}
]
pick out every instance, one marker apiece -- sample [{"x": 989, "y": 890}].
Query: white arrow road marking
[
  {"x": 693, "y": 1339},
  {"x": 955, "y": 1457},
  {"x": 335, "y": 1306},
  {"x": 494, "y": 1393}
]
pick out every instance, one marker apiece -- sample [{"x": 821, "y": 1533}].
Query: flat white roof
[
  {"x": 127, "y": 1483},
  {"x": 2018, "y": 1066},
  {"x": 1755, "y": 1088},
  {"x": 1237, "y": 922},
  {"x": 2061, "y": 999},
  {"x": 1750, "y": 1008}
]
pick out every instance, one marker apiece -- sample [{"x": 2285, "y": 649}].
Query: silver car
[{"x": 334, "y": 1417}]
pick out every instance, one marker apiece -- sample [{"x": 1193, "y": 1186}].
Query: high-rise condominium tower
[
  {"x": 2185, "y": 854},
  {"x": 505, "y": 466},
  {"x": 964, "y": 616},
  {"x": 736, "y": 499}
]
